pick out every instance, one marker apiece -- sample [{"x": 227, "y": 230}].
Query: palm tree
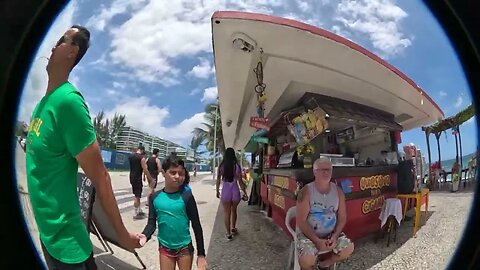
[
  {"x": 116, "y": 124},
  {"x": 194, "y": 145},
  {"x": 107, "y": 131},
  {"x": 206, "y": 133},
  {"x": 100, "y": 130}
]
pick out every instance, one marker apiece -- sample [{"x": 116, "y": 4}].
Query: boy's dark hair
[
  {"x": 141, "y": 148},
  {"x": 82, "y": 40},
  {"x": 186, "y": 181},
  {"x": 187, "y": 177},
  {"x": 172, "y": 161},
  {"x": 155, "y": 151}
]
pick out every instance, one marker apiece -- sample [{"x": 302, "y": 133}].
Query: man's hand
[
  {"x": 332, "y": 241},
  {"x": 201, "y": 263},
  {"x": 143, "y": 239},
  {"x": 244, "y": 195},
  {"x": 130, "y": 241},
  {"x": 321, "y": 245}
]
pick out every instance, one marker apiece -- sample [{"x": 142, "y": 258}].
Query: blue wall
[
  {"x": 200, "y": 168},
  {"x": 115, "y": 159}
]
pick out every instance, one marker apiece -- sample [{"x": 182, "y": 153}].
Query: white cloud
[
  {"x": 442, "y": 94},
  {"x": 340, "y": 31},
  {"x": 37, "y": 79},
  {"x": 210, "y": 94},
  {"x": 183, "y": 131},
  {"x": 119, "y": 85},
  {"x": 303, "y": 5},
  {"x": 102, "y": 18},
  {"x": 141, "y": 114},
  {"x": 152, "y": 36},
  {"x": 379, "y": 20},
  {"x": 195, "y": 91},
  {"x": 471, "y": 120},
  {"x": 459, "y": 101},
  {"x": 74, "y": 79},
  {"x": 113, "y": 92},
  {"x": 202, "y": 70}
]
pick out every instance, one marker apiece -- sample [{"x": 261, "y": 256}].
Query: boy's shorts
[{"x": 177, "y": 253}]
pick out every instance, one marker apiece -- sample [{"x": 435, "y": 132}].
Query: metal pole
[{"x": 215, "y": 141}]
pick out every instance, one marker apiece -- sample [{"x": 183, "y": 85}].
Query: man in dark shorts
[
  {"x": 151, "y": 169},
  {"x": 136, "y": 179}
]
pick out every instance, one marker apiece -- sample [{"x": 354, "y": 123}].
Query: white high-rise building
[{"x": 130, "y": 138}]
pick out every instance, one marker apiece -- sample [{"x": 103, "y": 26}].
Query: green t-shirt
[{"x": 60, "y": 129}]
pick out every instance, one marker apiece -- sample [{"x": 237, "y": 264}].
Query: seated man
[{"x": 321, "y": 216}]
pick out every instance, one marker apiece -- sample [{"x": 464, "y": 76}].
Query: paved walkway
[{"x": 262, "y": 245}]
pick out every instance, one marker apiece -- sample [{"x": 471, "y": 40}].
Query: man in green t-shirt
[{"x": 61, "y": 137}]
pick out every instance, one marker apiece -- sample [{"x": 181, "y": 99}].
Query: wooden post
[
  {"x": 461, "y": 155},
  {"x": 437, "y": 136},
  {"x": 459, "y": 173},
  {"x": 456, "y": 147},
  {"x": 427, "y": 136}
]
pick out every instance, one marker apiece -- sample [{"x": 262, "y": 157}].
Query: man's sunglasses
[{"x": 64, "y": 39}]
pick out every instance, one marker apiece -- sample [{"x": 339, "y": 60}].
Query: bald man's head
[
  {"x": 322, "y": 169},
  {"x": 320, "y": 161}
]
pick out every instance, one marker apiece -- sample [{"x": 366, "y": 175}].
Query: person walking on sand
[
  {"x": 135, "y": 160},
  {"x": 173, "y": 209},
  {"x": 151, "y": 168},
  {"x": 61, "y": 138},
  {"x": 230, "y": 175}
]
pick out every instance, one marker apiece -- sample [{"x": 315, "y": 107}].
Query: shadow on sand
[
  {"x": 108, "y": 261},
  {"x": 259, "y": 244},
  {"x": 373, "y": 249}
]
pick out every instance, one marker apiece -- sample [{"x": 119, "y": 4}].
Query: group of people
[{"x": 61, "y": 138}]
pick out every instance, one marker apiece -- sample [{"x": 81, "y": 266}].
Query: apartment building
[{"x": 130, "y": 137}]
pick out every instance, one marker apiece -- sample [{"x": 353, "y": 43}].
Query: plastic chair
[{"x": 291, "y": 214}]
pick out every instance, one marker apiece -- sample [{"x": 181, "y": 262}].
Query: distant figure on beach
[
  {"x": 321, "y": 216},
  {"x": 472, "y": 167},
  {"x": 135, "y": 162},
  {"x": 151, "y": 168},
  {"x": 455, "y": 170}
]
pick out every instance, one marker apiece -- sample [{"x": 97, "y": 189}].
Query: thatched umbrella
[{"x": 453, "y": 123}]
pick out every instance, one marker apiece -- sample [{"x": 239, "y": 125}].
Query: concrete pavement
[{"x": 262, "y": 245}]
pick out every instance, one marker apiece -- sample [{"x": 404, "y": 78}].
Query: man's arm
[
  {"x": 92, "y": 164},
  {"x": 341, "y": 214},
  {"x": 145, "y": 169},
  {"x": 159, "y": 165},
  {"x": 303, "y": 207}
]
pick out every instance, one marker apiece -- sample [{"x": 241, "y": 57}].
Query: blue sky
[{"x": 152, "y": 60}]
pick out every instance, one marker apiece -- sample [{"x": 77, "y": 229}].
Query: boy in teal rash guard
[{"x": 172, "y": 208}]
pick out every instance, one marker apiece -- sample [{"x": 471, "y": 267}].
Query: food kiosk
[{"x": 290, "y": 92}]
